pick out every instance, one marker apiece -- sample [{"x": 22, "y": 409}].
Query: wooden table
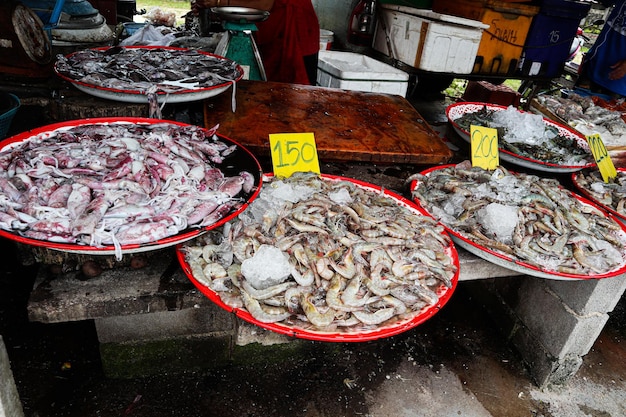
[{"x": 348, "y": 125}]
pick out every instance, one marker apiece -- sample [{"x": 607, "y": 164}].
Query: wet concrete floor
[{"x": 455, "y": 364}]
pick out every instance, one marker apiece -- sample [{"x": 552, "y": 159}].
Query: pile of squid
[
  {"x": 117, "y": 183},
  {"x": 611, "y": 194},
  {"x": 357, "y": 259},
  {"x": 523, "y": 217},
  {"x": 165, "y": 69}
]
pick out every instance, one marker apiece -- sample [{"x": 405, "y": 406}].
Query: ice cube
[
  {"x": 268, "y": 266},
  {"x": 499, "y": 220}
]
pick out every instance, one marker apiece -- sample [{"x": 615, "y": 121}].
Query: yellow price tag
[
  {"x": 293, "y": 152},
  {"x": 601, "y": 155},
  {"x": 484, "y": 147}
]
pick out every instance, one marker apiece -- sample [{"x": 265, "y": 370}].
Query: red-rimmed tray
[
  {"x": 300, "y": 329},
  {"x": 516, "y": 262},
  {"x": 610, "y": 201},
  {"x": 238, "y": 160},
  {"x": 457, "y": 110},
  {"x": 133, "y": 83}
]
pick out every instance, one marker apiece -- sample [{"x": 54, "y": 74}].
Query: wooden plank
[{"x": 348, "y": 125}]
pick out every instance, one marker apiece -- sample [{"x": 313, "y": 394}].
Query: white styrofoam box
[
  {"x": 428, "y": 40},
  {"x": 352, "y": 71}
]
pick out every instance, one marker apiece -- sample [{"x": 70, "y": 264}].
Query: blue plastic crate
[
  {"x": 550, "y": 36},
  {"x": 13, "y": 104}
]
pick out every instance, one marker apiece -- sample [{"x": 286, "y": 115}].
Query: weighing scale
[
  {"x": 238, "y": 43},
  {"x": 25, "y": 48}
]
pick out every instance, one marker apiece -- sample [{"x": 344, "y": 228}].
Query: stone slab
[
  {"x": 10, "y": 404},
  {"x": 165, "y": 325},
  {"x": 159, "y": 286}
]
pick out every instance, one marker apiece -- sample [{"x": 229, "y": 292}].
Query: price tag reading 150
[
  {"x": 293, "y": 152},
  {"x": 484, "y": 147},
  {"x": 601, "y": 155}
]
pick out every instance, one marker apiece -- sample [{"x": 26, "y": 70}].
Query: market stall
[{"x": 363, "y": 258}]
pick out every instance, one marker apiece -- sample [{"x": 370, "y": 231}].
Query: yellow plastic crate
[{"x": 501, "y": 46}]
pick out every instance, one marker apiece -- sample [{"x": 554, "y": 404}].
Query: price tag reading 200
[
  {"x": 484, "y": 147},
  {"x": 293, "y": 152}
]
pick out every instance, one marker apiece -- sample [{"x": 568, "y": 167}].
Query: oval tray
[
  {"x": 139, "y": 96},
  {"x": 590, "y": 196},
  {"x": 240, "y": 159},
  {"x": 454, "y": 111},
  {"x": 444, "y": 293},
  {"x": 514, "y": 264}
]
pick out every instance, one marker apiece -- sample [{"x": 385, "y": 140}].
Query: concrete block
[
  {"x": 248, "y": 333},
  {"x": 508, "y": 289},
  {"x": 10, "y": 404},
  {"x": 165, "y": 324},
  {"x": 565, "y": 333},
  {"x": 157, "y": 357},
  {"x": 590, "y": 296},
  {"x": 545, "y": 369},
  {"x": 473, "y": 268},
  {"x": 551, "y": 321}
]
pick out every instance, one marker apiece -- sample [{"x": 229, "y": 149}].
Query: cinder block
[
  {"x": 165, "y": 324},
  {"x": 590, "y": 296},
  {"x": 545, "y": 369},
  {"x": 508, "y": 289},
  {"x": 10, "y": 404},
  {"x": 560, "y": 330}
]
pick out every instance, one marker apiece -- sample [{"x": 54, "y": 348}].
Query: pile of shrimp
[
  {"x": 356, "y": 258},
  {"x": 550, "y": 228}
]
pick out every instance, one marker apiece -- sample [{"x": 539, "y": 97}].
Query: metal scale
[
  {"x": 30, "y": 30},
  {"x": 238, "y": 43},
  {"x": 25, "y": 49}
]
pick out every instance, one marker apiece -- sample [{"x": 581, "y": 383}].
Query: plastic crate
[
  {"x": 9, "y": 104},
  {"x": 550, "y": 36},
  {"x": 485, "y": 92},
  {"x": 501, "y": 45},
  {"x": 428, "y": 40},
  {"x": 352, "y": 71}
]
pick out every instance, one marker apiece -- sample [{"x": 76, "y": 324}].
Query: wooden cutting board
[{"x": 348, "y": 125}]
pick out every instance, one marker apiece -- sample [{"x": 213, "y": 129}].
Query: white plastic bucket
[{"x": 326, "y": 39}]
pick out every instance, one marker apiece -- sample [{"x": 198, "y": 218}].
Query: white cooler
[
  {"x": 352, "y": 71},
  {"x": 427, "y": 40}
]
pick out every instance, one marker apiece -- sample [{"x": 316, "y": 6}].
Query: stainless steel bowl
[{"x": 238, "y": 14}]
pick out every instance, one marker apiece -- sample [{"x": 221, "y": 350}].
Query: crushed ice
[
  {"x": 523, "y": 127},
  {"x": 341, "y": 196},
  {"x": 268, "y": 266},
  {"x": 499, "y": 220}
]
